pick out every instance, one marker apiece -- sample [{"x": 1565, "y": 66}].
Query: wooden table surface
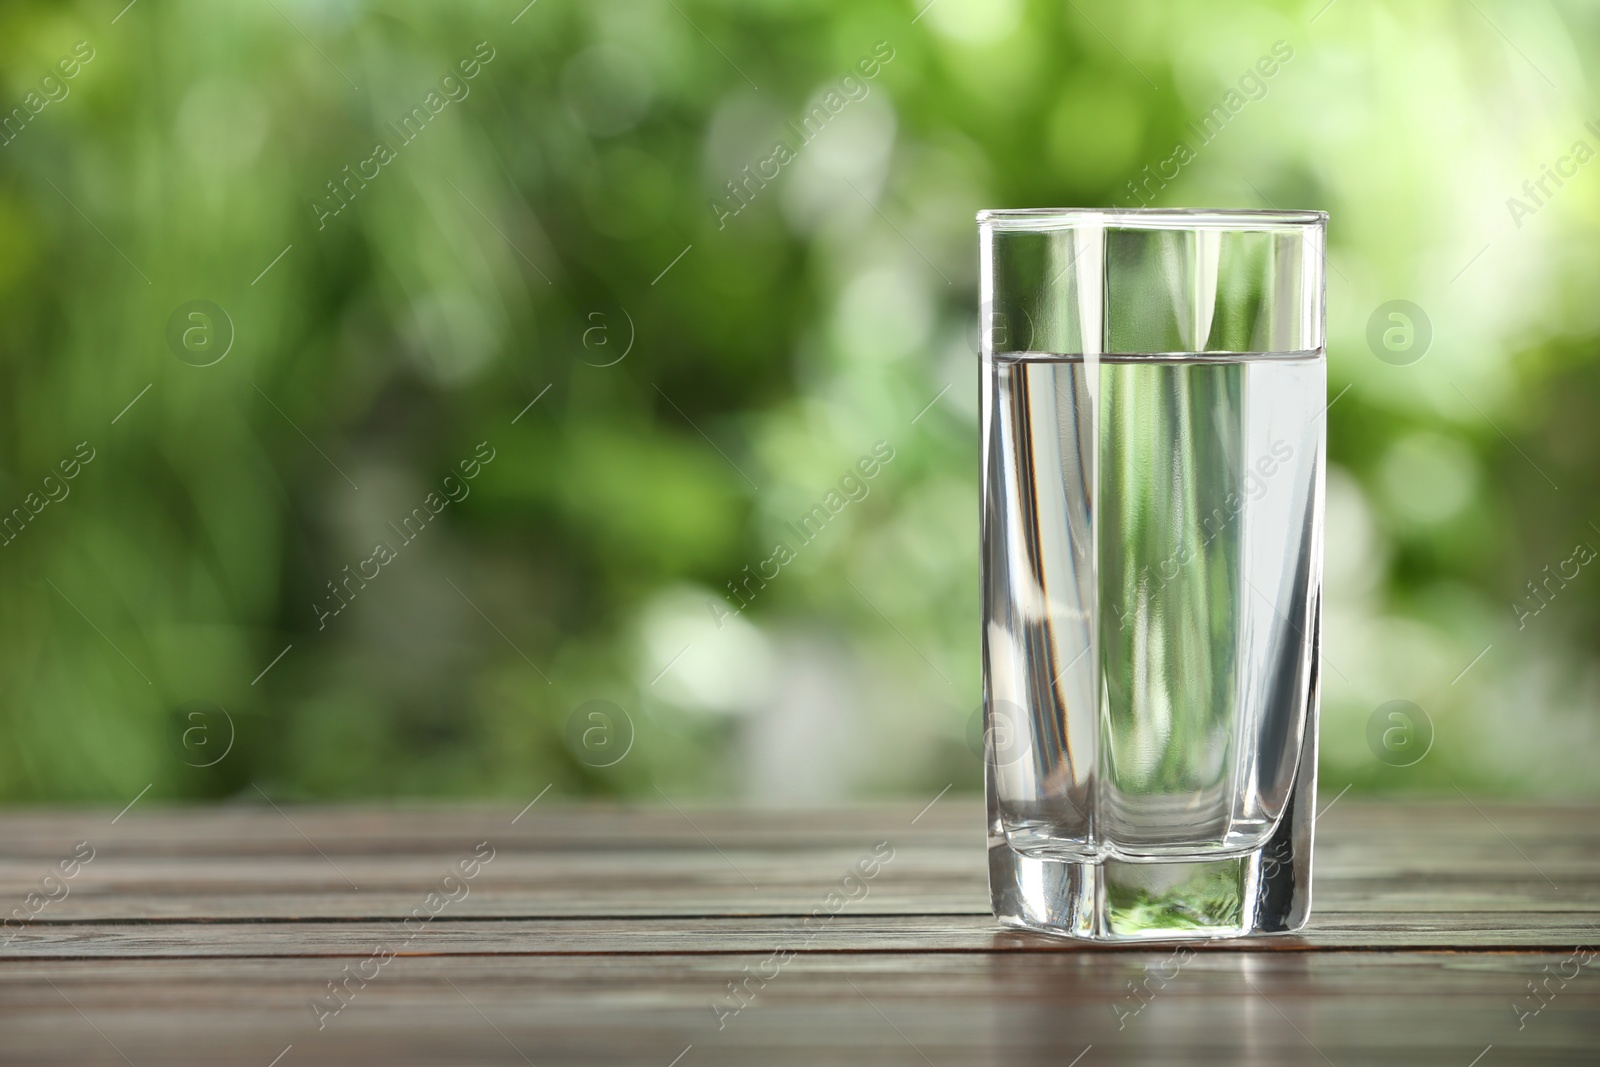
[{"x": 582, "y": 935}]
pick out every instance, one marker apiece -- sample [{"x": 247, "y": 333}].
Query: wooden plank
[
  {"x": 1372, "y": 858},
  {"x": 1216, "y": 1008},
  {"x": 1388, "y": 827},
  {"x": 605, "y": 936},
  {"x": 288, "y": 829},
  {"x": 917, "y": 882},
  {"x": 665, "y": 934}
]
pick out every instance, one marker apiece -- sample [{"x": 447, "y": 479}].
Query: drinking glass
[{"x": 1154, "y": 392}]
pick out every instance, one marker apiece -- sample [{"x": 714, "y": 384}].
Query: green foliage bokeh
[{"x": 563, "y": 236}]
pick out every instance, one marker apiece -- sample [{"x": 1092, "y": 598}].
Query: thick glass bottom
[{"x": 1267, "y": 891}]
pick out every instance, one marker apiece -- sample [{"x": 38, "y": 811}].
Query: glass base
[{"x": 1267, "y": 891}]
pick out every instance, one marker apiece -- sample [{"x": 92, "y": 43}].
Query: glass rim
[{"x": 1161, "y": 218}]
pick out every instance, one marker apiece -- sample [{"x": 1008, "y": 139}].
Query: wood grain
[{"x": 606, "y": 935}]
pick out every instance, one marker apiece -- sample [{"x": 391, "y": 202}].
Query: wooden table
[{"x": 569, "y": 935}]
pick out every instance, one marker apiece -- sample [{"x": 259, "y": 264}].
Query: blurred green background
[{"x": 557, "y": 230}]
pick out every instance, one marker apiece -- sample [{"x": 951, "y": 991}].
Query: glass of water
[{"x": 1154, "y": 400}]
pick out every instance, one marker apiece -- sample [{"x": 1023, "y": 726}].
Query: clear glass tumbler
[{"x": 1154, "y": 392}]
